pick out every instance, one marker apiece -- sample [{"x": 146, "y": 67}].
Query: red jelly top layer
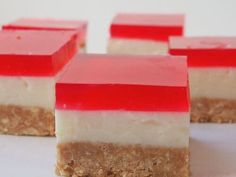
[
  {"x": 147, "y": 26},
  {"x": 139, "y": 83},
  {"x": 50, "y": 24},
  {"x": 35, "y": 53},
  {"x": 205, "y": 51}
]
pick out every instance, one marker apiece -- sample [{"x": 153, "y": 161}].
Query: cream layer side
[
  {"x": 213, "y": 82},
  {"x": 27, "y": 91},
  {"x": 82, "y": 50},
  {"x": 128, "y": 46},
  {"x": 165, "y": 129}
]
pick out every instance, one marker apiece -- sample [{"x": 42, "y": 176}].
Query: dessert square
[
  {"x": 109, "y": 108},
  {"x": 143, "y": 33},
  {"x": 30, "y": 62},
  {"x": 80, "y": 27},
  {"x": 212, "y": 73}
]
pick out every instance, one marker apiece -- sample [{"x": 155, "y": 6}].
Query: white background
[
  {"x": 204, "y": 17},
  {"x": 212, "y": 153},
  {"x": 213, "y": 147}
]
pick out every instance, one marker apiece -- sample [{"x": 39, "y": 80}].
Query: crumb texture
[
  {"x": 83, "y": 159},
  {"x": 19, "y": 120},
  {"x": 82, "y": 48},
  {"x": 213, "y": 110}
]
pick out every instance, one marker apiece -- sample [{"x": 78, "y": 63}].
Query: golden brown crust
[
  {"x": 213, "y": 110},
  {"x": 83, "y": 159},
  {"x": 82, "y": 47},
  {"x": 20, "y": 120}
]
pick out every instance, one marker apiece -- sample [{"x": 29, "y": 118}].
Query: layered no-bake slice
[
  {"x": 143, "y": 33},
  {"x": 212, "y": 73},
  {"x": 29, "y": 64},
  {"x": 79, "y": 26},
  {"x": 123, "y": 116}
]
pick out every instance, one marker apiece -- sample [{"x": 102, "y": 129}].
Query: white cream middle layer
[
  {"x": 213, "y": 82},
  {"x": 123, "y": 127},
  {"x": 27, "y": 91},
  {"x": 128, "y": 46}
]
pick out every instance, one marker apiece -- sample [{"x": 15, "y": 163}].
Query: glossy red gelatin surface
[
  {"x": 205, "y": 51},
  {"x": 50, "y": 24},
  {"x": 35, "y": 53},
  {"x": 139, "y": 83},
  {"x": 147, "y": 26}
]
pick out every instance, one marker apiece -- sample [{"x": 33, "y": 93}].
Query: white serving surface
[{"x": 213, "y": 153}]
